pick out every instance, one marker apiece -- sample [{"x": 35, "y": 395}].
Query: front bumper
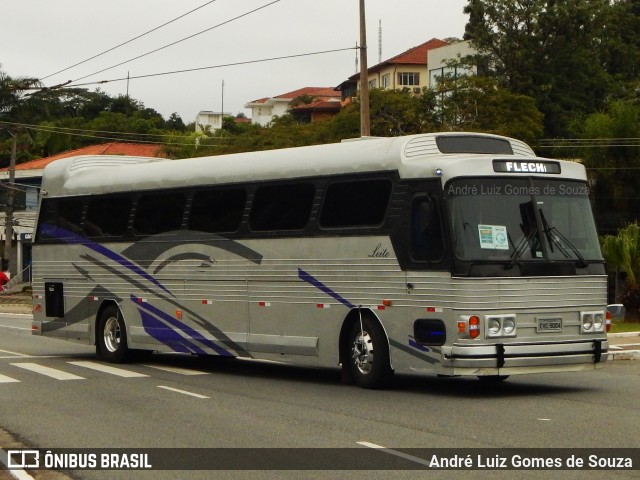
[{"x": 514, "y": 356}]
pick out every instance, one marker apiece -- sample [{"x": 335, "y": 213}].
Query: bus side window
[
  {"x": 60, "y": 218},
  {"x": 359, "y": 203},
  {"x": 158, "y": 213},
  {"x": 427, "y": 244},
  {"x": 107, "y": 216},
  {"x": 281, "y": 207},
  {"x": 216, "y": 211}
]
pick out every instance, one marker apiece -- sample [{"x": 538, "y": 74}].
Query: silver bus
[{"x": 444, "y": 253}]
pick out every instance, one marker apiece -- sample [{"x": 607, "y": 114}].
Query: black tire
[
  {"x": 368, "y": 354},
  {"x": 111, "y": 336},
  {"x": 492, "y": 378}
]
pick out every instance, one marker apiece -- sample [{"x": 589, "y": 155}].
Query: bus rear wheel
[
  {"x": 369, "y": 354},
  {"x": 111, "y": 341}
]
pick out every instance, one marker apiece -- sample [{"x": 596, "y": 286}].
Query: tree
[
  {"x": 475, "y": 103},
  {"x": 175, "y": 123},
  {"x": 622, "y": 252},
  {"x": 613, "y": 166},
  {"x": 552, "y": 51}
]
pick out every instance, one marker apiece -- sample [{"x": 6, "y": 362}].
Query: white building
[{"x": 209, "y": 120}]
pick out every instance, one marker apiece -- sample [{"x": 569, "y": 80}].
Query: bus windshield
[{"x": 524, "y": 219}]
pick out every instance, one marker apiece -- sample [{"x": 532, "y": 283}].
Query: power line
[
  {"x": 233, "y": 64},
  {"x": 54, "y": 129},
  {"x": 589, "y": 142},
  {"x": 129, "y": 41},
  {"x": 107, "y": 135},
  {"x": 179, "y": 41}
]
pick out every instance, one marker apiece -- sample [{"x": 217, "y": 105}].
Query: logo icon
[{"x": 23, "y": 459}]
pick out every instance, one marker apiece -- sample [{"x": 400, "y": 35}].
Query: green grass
[{"x": 619, "y": 326}]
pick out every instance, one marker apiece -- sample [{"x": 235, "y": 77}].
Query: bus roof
[{"x": 447, "y": 155}]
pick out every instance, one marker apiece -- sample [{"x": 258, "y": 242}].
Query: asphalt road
[{"x": 175, "y": 401}]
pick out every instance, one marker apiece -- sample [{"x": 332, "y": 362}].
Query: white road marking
[
  {"x": 184, "y": 392},
  {"x": 15, "y": 328},
  {"x": 16, "y": 354},
  {"x": 181, "y": 371},
  {"x": 390, "y": 451},
  {"x": 5, "y": 379},
  {"x": 120, "y": 372},
  {"x": 48, "y": 371}
]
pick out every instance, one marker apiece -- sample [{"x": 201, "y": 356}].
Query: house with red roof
[
  {"x": 414, "y": 69},
  {"x": 264, "y": 110}
]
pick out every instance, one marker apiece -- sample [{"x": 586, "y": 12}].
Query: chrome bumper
[{"x": 509, "y": 355}]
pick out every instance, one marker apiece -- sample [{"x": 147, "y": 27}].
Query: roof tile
[{"x": 113, "y": 148}]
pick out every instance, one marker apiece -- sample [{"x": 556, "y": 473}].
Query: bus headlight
[
  {"x": 493, "y": 326},
  {"x": 592, "y": 322},
  {"x": 509, "y": 325},
  {"x": 500, "y": 326}
]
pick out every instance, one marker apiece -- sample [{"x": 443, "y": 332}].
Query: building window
[
  {"x": 409, "y": 79},
  {"x": 386, "y": 81}
]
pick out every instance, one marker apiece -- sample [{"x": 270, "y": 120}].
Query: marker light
[{"x": 608, "y": 321}]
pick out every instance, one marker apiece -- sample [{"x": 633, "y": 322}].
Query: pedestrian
[{"x": 4, "y": 279}]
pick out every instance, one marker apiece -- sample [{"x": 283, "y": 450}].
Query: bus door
[{"x": 428, "y": 278}]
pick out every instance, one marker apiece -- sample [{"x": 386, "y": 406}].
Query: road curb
[{"x": 624, "y": 354}]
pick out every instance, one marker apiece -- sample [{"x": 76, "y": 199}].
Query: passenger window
[
  {"x": 215, "y": 211},
  {"x": 60, "y": 218},
  {"x": 355, "y": 204},
  {"x": 282, "y": 207},
  {"x": 158, "y": 213},
  {"x": 427, "y": 243},
  {"x": 107, "y": 216}
]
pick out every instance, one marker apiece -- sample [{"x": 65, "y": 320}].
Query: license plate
[{"x": 550, "y": 324}]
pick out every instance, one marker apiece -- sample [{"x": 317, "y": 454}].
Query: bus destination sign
[{"x": 526, "y": 166}]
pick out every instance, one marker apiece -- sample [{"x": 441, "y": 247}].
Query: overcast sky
[{"x": 41, "y": 37}]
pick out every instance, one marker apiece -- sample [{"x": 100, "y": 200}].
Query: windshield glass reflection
[{"x": 511, "y": 220}]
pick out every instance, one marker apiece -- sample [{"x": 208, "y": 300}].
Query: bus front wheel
[
  {"x": 111, "y": 341},
  {"x": 369, "y": 354}
]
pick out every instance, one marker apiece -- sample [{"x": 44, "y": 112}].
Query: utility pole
[
  {"x": 8, "y": 230},
  {"x": 365, "y": 121}
]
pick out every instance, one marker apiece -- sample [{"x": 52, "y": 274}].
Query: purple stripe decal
[
  {"x": 185, "y": 328},
  {"x": 321, "y": 286},
  {"x": 161, "y": 332},
  {"x": 70, "y": 237},
  {"x": 414, "y": 344}
]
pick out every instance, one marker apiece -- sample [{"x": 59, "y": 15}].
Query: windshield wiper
[
  {"x": 520, "y": 249},
  {"x": 554, "y": 237}
]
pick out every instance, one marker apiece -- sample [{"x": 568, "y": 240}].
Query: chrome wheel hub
[
  {"x": 362, "y": 353},
  {"x": 112, "y": 334}
]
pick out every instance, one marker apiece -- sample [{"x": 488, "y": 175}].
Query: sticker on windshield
[{"x": 493, "y": 237}]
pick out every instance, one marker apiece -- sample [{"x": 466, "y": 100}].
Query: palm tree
[{"x": 622, "y": 252}]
